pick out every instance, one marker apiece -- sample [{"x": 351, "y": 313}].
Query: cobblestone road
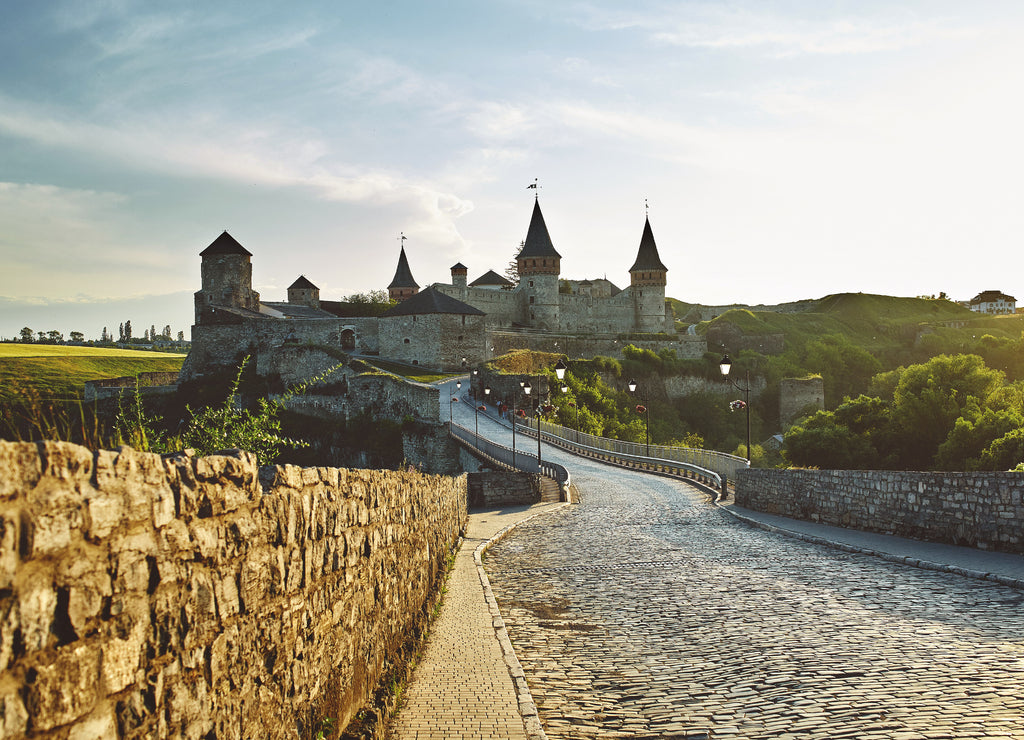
[{"x": 645, "y": 612}]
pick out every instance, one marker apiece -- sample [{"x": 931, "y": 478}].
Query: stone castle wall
[
  {"x": 588, "y": 347},
  {"x": 188, "y": 597},
  {"x": 156, "y": 382},
  {"x": 797, "y": 395},
  {"x": 983, "y": 510}
]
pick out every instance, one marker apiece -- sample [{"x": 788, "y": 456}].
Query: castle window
[
  {"x": 531, "y": 283},
  {"x": 406, "y": 341},
  {"x": 531, "y": 300},
  {"x": 463, "y": 320}
]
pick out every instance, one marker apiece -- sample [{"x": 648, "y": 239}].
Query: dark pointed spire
[
  {"x": 538, "y": 243},
  {"x": 403, "y": 275},
  {"x": 647, "y": 258}
]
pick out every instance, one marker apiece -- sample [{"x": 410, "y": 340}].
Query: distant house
[{"x": 993, "y": 302}]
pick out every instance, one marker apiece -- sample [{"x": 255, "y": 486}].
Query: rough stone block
[
  {"x": 36, "y": 606},
  {"x": 13, "y": 715},
  {"x": 65, "y": 689}
]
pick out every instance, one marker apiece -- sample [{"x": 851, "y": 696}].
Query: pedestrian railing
[
  {"x": 662, "y": 459},
  {"x": 515, "y": 459}
]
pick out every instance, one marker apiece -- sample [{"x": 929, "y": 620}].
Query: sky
[{"x": 782, "y": 150}]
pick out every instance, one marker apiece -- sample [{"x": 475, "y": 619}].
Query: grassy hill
[
  {"x": 55, "y": 371},
  {"x": 893, "y": 329}
]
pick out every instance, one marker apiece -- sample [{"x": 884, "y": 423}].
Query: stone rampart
[
  {"x": 157, "y": 382},
  {"x": 983, "y": 510},
  {"x": 587, "y": 347},
  {"x": 502, "y": 488},
  {"x": 189, "y": 597}
]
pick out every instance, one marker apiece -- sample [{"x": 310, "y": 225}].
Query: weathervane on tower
[{"x": 536, "y": 188}]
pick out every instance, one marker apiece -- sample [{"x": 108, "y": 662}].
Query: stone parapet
[
  {"x": 143, "y": 596},
  {"x": 983, "y": 510}
]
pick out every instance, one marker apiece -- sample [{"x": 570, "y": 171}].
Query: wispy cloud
[{"x": 816, "y": 32}]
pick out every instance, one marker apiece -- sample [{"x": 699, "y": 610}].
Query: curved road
[{"x": 646, "y": 612}]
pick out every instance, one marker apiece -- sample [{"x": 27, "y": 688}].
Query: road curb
[
  {"x": 527, "y": 707},
  {"x": 901, "y": 559}
]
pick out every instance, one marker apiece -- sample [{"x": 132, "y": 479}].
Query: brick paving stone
[
  {"x": 462, "y": 687},
  {"x": 644, "y": 611}
]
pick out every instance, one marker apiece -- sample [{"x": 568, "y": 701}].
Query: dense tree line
[{"x": 952, "y": 412}]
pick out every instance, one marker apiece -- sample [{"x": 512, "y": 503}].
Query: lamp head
[
  {"x": 487, "y": 391},
  {"x": 458, "y": 384},
  {"x": 565, "y": 389},
  {"x": 632, "y": 386},
  {"x": 560, "y": 369},
  {"x": 725, "y": 365},
  {"x": 527, "y": 387}
]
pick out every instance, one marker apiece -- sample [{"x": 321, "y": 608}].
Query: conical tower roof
[
  {"x": 538, "y": 243},
  {"x": 225, "y": 244},
  {"x": 647, "y": 256},
  {"x": 403, "y": 275}
]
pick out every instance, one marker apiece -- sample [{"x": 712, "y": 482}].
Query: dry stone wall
[
  {"x": 190, "y": 597},
  {"x": 983, "y": 510}
]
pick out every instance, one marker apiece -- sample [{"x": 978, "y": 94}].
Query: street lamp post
[
  {"x": 487, "y": 394},
  {"x": 472, "y": 383},
  {"x": 725, "y": 366},
  {"x": 458, "y": 387},
  {"x": 527, "y": 388},
  {"x": 646, "y": 411}
]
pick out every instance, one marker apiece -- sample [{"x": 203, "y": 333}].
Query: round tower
[
  {"x": 226, "y": 279},
  {"x": 539, "y": 266},
  {"x": 647, "y": 279}
]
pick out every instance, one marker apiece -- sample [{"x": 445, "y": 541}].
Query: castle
[{"x": 446, "y": 326}]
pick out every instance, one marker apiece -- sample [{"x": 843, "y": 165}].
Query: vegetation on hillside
[{"x": 952, "y": 412}]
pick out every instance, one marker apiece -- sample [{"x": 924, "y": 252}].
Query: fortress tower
[
  {"x": 227, "y": 279},
  {"x": 303, "y": 293},
  {"x": 403, "y": 286},
  {"x": 460, "y": 274},
  {"x": 539, "y": 266},
  {"x": 647, "y": 278}
]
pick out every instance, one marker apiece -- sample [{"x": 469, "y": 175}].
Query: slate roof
[
  {"x": 459, "y": 266},
  {"x": 431, "y": 300},
  {"x": 991, "y": 296},
  {"x": 295, "y": 311},
  {"x": 302, "y": 284},
  {"x": 538, "y": 243},
  {"x": 403, "y": 275},
  {"x": 225, "y": 244},
  {"x": 647, "y": 256},
  {"x": 491, "y": 278}
]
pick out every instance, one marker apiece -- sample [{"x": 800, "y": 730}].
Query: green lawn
[{"x": 54, "y": 371}]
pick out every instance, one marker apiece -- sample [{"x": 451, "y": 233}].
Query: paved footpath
[
  {"x": 463, "y": 686},
  {"x": 645, "y": 612}
]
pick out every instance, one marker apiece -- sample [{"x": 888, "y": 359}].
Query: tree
[
  {"x": 377, "y": 297},
  {"x": 512, "y": 270},
  {"x": 167, "y": 333},
  {"x": 127, "y": 331},
  {"x": 152, "y": 332},
  {"x": 105, "y": 336},
  {"x": 77, "y": 336},
  {"x": 846, "y": 369},
  {"x": 120, "y": 332},
  {"x": 145, "y": 335},
  {"x": 54, "y": 336},
  {"x": 27, "y": 335},
  {"x": 181, "y": 336}
]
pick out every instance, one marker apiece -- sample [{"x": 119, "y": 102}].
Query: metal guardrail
[
  {"x": 517, "y": 460},
  {"x": 639, "y": 462},
  {"x": 720, "y": 463}
]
